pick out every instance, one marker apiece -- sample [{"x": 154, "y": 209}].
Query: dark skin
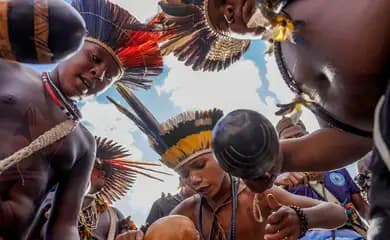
[
  {"x": 210, "y": 181},
  {"x": 98, "y": 179},
  {"x": 345, "y": 71},
  {"x": 27, "y": 112},
  {"x": 97, "y": 182},
  {"x": 292, "y": 179}
]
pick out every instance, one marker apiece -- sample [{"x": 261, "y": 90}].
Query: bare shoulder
[
  {"x": 16, "y": 71},
  {"x": 188, "y": 207},
  {"x": 79, "y": 148},
  {"x": 86, "y": 136}
]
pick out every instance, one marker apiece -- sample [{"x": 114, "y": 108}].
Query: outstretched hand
[
  {"x": 131, "y": 235},
  {"x": 291, "y": 179},
  {"x": 283, "y": 223}
]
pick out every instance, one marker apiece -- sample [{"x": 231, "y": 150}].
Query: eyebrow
[{"x": 197, "y": 161}]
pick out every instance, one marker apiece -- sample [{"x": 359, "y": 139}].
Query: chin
[{"x": 250, "y": 35}]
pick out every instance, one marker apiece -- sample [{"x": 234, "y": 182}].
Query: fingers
[
  {"x": 285, "y": 233},
  {"x": 282, "y": 224},
  {"x": 140, "y": 235},
  {"x": 290, "y": 179},
  {"x": 278, "y": 216},
  {"x": 295, "y": 179},
  {"x": 131, "y": 235},
  {"x": 274, "y": 228},
  {"x": 273, "y": 203},
  {"x": 282, "y": 179}
]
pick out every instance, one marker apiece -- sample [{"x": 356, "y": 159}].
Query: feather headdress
[
  {"x": 177, "y": 140},
  {"x": 120, "y": 172},
  {"x": 133, "y": 46},
  {"x": 192, "y": 39}
]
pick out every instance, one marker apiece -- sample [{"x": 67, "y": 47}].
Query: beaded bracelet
[{"x": 302, "y": 220}]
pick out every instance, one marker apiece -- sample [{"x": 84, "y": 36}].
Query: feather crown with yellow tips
[{"x": 178, "y": 139}]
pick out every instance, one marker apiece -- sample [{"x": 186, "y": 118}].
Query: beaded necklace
[
  {"x": 89, "y": 217},
  {"x": 66, "y": 105}
]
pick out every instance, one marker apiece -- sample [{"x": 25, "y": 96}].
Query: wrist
[{"x": 303, "y": 222}]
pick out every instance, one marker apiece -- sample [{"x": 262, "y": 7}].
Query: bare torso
[
  {"x": 27, "y": 112},
  {"x": 344, "y": 60},
  {"x": 247, "y": 227}
]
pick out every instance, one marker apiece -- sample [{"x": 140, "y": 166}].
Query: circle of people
[{"x": 241, "y": 177}]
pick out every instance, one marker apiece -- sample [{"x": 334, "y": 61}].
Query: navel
[{"x": 8, "y": 99}]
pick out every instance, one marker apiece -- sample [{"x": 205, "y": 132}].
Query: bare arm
[
  {"x": 360, "y": 204},
  {"x": 187, "y": 208},
  {"x": 319, "y": 214},
  {"x": 324, "y": 149},
  {"x": 67, "y": 203}
]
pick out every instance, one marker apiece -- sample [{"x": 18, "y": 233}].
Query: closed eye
[{"x": 95, "y": 59}]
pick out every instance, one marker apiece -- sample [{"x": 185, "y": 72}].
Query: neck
[
  {"x": 223, "y": 194},
  {"x": 55, "y": 78}
]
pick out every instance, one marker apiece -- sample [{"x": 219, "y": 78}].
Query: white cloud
[
  {"x": 138, "y": 202},
  {"x": 106, "y": 121},
  {"x": 143, "y": 11},
  {"x": 284, "y": 94},
  {"x": 236, "y": 87}
]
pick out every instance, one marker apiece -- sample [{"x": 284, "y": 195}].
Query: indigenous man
[
  {"x": 224, "y": 208},
  {"x": 113, "y": 175},
  {"x": 334, "y": 186},
  {"x": 32, "y": 104},
  {"x": 164, "y": 205},
  {"x": 339, "y": 74}
]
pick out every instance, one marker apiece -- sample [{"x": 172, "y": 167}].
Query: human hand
[
  {"x": 283, "y": 223},
  {"x": 291, "y": 179},
  {"x": 131, "y": 235}
]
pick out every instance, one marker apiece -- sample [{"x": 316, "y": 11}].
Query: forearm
[
  {"x": 360, "y": 205},
  {"x": 322, "y": 150},
  {"x": 62, "y": 232},
  {"x": 325, "y": 215},
  {"x": 363, "y": 211}
]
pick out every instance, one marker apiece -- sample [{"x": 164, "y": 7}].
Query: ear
[{"x": 228, "y": 13}]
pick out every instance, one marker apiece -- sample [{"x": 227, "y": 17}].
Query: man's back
[{"x": 27, "y": 112}]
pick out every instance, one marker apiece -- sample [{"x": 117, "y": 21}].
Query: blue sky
[{"x": 252, "y": 83}]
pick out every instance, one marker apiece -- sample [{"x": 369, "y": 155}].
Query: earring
[{"x": 227, "y": 20}]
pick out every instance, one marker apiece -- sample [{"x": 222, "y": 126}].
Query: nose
[
  {"x": 228, "y": 13},
  {"x": 195, "y": 179},
  {"x": 98, "y": 72}
]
